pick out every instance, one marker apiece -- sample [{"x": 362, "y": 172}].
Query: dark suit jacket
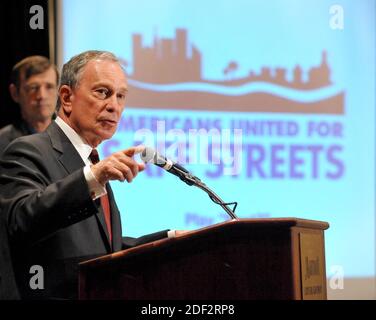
[
  {"x": 8, "y": 286},
  {"x": 12, "y": 132},
  {"x": 52, "y": 220}
]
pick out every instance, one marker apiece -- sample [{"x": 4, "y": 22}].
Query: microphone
[{"x": 149, "y": 155}]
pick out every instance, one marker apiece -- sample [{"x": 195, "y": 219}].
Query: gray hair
[{"x": 72, "y": 70}]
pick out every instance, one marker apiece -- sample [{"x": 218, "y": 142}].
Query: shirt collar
[{"x": 80, "y": 145}]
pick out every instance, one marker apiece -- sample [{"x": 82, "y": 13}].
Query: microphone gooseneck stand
[{"x": 192, "y": 180}]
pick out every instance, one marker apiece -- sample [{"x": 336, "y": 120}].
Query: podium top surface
[{"x": 220, "y": 228}]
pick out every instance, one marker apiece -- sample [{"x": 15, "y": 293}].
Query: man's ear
[
  {"x": 65, "y": 95},
  {"x": 14, "y": 92}
]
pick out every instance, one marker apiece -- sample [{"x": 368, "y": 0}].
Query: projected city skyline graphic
[{"x": 177, "y": 83}]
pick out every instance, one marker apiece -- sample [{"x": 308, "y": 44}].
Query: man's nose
[
  {"x": 42, "y": 92},
  {"x": 113, "y": 104}
]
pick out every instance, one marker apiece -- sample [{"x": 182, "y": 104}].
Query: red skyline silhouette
[
  {"x": 174, "y": 60},
  {"x": 167, "y": 60}
]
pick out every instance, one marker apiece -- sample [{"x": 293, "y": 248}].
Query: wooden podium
[{"x": 282, "y": 258}]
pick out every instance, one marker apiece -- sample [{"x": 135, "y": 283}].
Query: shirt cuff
[
  {"x": 95, "y": 188},
  {"x": 171, "y": 234}
]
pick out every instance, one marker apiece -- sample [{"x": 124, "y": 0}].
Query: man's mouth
[
  {"x": 42, "y": 105},
  {"x": 109, "y": 121}
]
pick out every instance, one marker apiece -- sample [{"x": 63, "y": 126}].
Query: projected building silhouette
[
  {"x": 178, "y": 64},
  {"x": 173, "y": 60},
  {"x": 167, "y": 61}
]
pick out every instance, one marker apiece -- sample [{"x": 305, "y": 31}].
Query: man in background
[{"x": 33, "y": 87}]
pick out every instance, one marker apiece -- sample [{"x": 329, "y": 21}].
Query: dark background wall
[{"x": 18, "y": 40}]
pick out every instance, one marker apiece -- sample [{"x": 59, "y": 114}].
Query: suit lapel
[
  {"x": 69, "y": 157},
  {"x": 71, "y": 160}
]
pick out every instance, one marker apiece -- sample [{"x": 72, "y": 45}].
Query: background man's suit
[
  {"x": 52, "y": 219},
  {"x": 8, "y": 286},
  {"x": 12, "y": 132}
]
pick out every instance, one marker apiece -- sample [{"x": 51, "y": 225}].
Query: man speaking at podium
[{"x": 54, "y": 193}]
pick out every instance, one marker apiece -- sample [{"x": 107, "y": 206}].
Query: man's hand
[{"x": 118, "y": 166}]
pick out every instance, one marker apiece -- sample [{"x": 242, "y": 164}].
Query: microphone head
[{"x": 147, "y": 155}]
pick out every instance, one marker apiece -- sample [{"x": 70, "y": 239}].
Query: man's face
[
  {"x": 37, "y": 96},
  {"x": 98, "y": 101}
]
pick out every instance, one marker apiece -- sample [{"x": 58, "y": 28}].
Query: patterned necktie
[{"x": 105, "y": 203}]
